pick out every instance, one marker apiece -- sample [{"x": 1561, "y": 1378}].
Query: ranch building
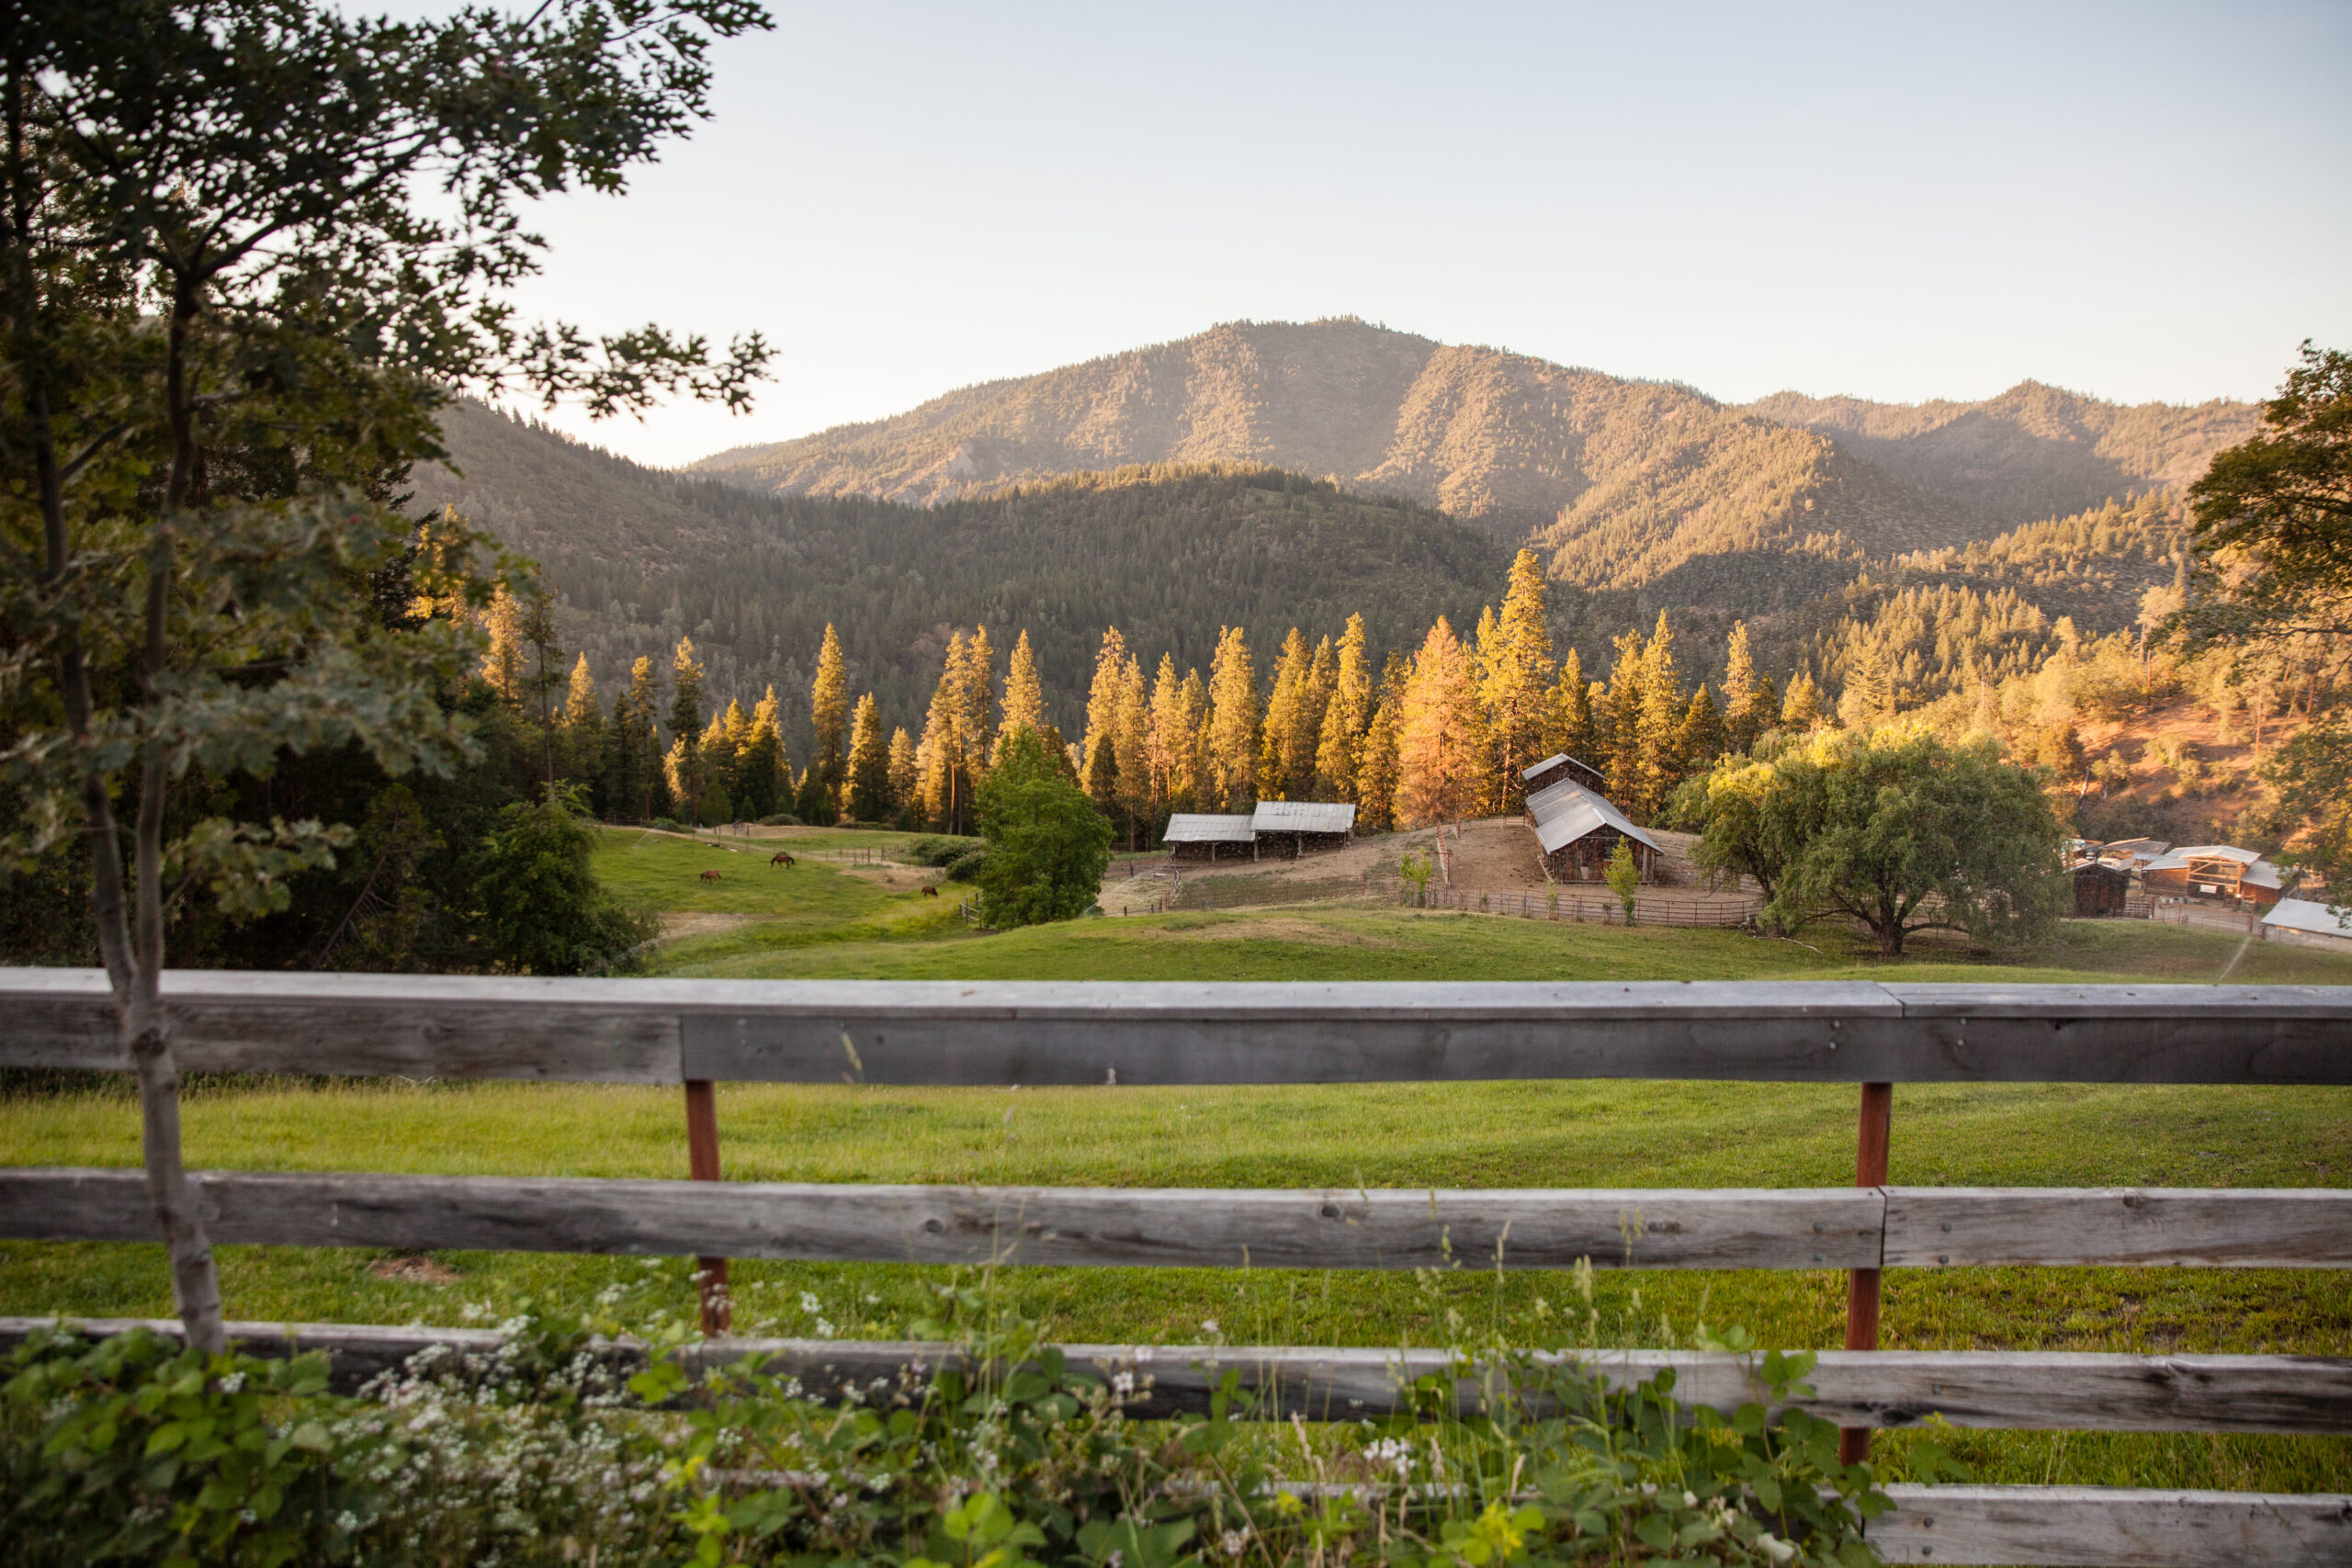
[
  {"x": 1579, "y": 831},
  {"x": 1559, "y": 767},
  {"x": 2306, "y": 922},
  {"x": 2099, "y": 888},
  {"x": 1285, "y": 829},
  {"x": 1201, "y": 836},
  {"x": 2216, "y": 872}
]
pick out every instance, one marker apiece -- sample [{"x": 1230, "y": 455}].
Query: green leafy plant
[{"x": 1624, "y": 875}]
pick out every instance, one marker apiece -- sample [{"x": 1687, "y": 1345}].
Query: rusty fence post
[
  {"x": 1861, "y": 1284},
  {"x": 702, "y": 1164}
]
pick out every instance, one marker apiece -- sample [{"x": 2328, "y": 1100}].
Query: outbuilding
[
  {"x": 2222, "y": 872},
  {"x": 1579, "y": 831},
  {"x": 1558, "y": 768},
  {"x": 2306, "y": 922},
  {"x": 2099, "y": 888},
  {"x": 1284, "y": 830},
  {"x": 1203, "y": 836}
]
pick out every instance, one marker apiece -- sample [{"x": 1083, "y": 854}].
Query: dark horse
[{"x": 780, "y": 858}]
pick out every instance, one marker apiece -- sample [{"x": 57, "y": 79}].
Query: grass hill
[
  {"x": 1170, "y": 554},
  {"x": 1626, "y": 485}
]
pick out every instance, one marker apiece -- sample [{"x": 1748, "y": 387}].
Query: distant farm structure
[{"x": 1276, "y": 830}]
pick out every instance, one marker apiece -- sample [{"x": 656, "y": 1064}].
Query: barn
[
  {"x": 2099, "y": 888},
  {"x": 1201, "y": 836},
  {"x": 1560, "y": 767},
  {"x": 1284, "y": 830},
  {"x": 1579, "y": 831},
  {"x": 2222, "y": 872},
  {"x": 2307, "y": 922}
]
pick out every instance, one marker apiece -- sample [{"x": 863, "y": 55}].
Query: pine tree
[
  {"x": 1024, "y": 695},
  {"x": 722, "y": 745},
  {"x": 1232, "y": 746},
  {"x": 759, "y": 762},
  {"x": 506, "y": 659},
  {"x": 1567, "y": 713},
  {"x": 1131, "y": 740},
  {"x": 684, "y": 766},
  {"x": 1192, "y": 743},
  {"x": 1098, "y": 767},
  {"x": 1658, "y": 767},
  {"x": 1377, "y": 764},
  {"x": 820, "y": 792},
  {"x": 905, "y": 774},
  {"x": 1285, "y": 741},
  {"x": 1802, "y": 710},
  {"x": 1172, "y": 746},
  {"x": 1747, "y": 696},
  {"x": 869, "y": 765},
  {"x": 976, "y": 697},
  {"x": 1514, "y": 670},
  {"x": 1345, "y": 717},
  {"x": 1617, "y": 719},
  {"x": 944, "y": 794},
  {"x": 1441, "y": 741},
  {"x": 584, "y": 735},
  {"x": 1699, "y": 739}
]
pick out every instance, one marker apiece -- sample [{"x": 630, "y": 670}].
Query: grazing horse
[
  {"x": 711, "y": 875},
  {"x": 782, "y": 858},
  {"x": 929, "y": 891}
]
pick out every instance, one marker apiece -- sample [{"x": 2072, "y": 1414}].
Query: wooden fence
[{"x": 696, "y": 1032}]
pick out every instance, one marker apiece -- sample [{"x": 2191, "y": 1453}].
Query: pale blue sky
[{"x": 2136, "y": 201}]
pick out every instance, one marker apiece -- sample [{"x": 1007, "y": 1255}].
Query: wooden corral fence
[
  {"x": 1597, "y": 908},
  {"x": 697, "y": 1033}
]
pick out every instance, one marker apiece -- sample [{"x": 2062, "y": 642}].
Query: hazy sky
[{"x": 2137, "y": 201}]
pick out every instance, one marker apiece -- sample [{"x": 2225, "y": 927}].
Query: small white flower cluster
[{"x": 1391, "y": 1453}]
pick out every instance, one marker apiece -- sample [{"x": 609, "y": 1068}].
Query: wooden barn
[
  {"x": 1579, "y": 831},
  {"x": 1559, "y": 768},
  {"x": 2099, "y": 888},
  {"x": 1201, "y": 836},
  {"x": 2221, "y": 873},
  {"x": 1284, "y": 830}
]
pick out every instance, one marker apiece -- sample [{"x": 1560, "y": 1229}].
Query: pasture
[{"x": 827, "y": 918}]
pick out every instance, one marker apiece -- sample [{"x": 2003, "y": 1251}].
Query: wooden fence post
[
  {"x": 1861, "y": 1284},
  {"x": 702, "y": 1164}
]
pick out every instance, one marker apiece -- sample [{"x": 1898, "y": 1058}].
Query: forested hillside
[
  {"x": 642, "y": 558},
  {"x": 1621, "y": 484}
]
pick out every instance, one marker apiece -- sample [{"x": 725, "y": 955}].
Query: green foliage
[
  {"x": 938, "y": 849},
  {"x": 1624, "y": 876},
  {"x": 1894, "y": 828},
  {"x": 1048, "y": 846},
  {"x": 965, "y": 865},
  {"x": 541, "y": 910}
]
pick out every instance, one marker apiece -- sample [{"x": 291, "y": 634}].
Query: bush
[
  {"x": 966, "y": 865},
  {"x": 666, "y": 825},
  {"x": 938, "y": 848},
  {"x": 136, "y": 1450},
  {"x": 779, "y": 819}
]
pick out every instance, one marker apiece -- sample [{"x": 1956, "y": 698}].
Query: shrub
[
  {"x": 938, "y": 848},
  {"x": 666, "y": 825},
  {"x": 779, "y": 819},
  {"x": 1047, "y": 845},
  {"x": 966, "y": 865},
  {"x": 537, "y": 907}
]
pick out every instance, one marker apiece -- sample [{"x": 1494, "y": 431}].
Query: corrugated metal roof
[
  {"x": 1554, "y": 761},
  {"x": 1303, "y": 817},
  {"x": 1197, "y": 827},
  {"x": 2262, "y": 873},
  {"x": 1567, "y": 811},
  {"x": 2307, "y": 915},
  {"x": 2140, "y": 849},
  {"x": 2215, "y": 852}
]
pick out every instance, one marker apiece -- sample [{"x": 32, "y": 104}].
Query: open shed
[
  {"x": 2220, "y": 871},
  {"x": 2307, "y": 922},
  {"x": 2099, "y": 888},
  {"x": 1203, "y": 836},
  {"x": 1285, "y": 829},
  {"x": 1579, "y": 831}
]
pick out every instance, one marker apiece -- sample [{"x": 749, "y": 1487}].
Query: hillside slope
[
  {"x": 1623, "y": 484},
  {"x": 1170, "y": 555}
]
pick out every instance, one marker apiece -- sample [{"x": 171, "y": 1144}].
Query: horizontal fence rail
[
  {"x": 946, "y": 1032},
  {"x": 1826, "y": 1227},
  {"x": 1886, "y": 1389}
]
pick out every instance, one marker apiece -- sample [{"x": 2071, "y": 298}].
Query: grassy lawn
[{"x": 822, "y": 919}]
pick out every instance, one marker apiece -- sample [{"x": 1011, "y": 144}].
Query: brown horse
[
  {"x": 782, "y": 858},
  {"x": 711, "y": 875},
  {"x": 929, "y": 891}
]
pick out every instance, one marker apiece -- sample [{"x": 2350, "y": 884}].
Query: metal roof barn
[
  {"x": 1567, "y": 812},
  {"x": 1199, "y": 827},
  {"x": 1302, "y": 817}
]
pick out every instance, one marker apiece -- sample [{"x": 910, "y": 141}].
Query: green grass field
[{"x": 822, "y": 919}]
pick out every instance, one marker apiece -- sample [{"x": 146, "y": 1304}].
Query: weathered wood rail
[{"x": 950, "y": 1033}]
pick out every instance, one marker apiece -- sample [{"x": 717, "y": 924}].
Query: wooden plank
[
  {"x": 2292, "y": 1227},
  {"x": 351, "y": 1025},
  {"x": 1719, "y": 1228},
  {"x": 2135, "y": 1033},
  {"x": 1098, "y": 1033},
  {"x": 2061, "y": 1390},
  {"x": 2113, "y": 1528}
]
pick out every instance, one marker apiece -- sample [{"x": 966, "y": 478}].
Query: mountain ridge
[{"x": 1622, "y": 482}]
